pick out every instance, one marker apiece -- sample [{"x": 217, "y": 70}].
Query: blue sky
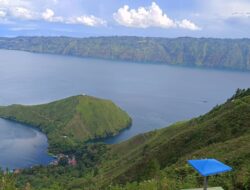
[{"x": 164, "y": 18}]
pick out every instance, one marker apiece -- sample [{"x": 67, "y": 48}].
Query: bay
[{"x": 154, "y": 95}]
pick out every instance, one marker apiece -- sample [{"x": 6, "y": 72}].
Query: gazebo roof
[{"x": 207, "y": 167}]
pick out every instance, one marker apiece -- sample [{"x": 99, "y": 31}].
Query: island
[{"x": 71, "y": 121}]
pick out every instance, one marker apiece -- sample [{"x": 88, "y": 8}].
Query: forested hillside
[
  {"x": 71, "y": 121},
  {"x": 198, "y": 52},
  {"x": 158, "y": 160},
  {"x": 223, "y": 133}
]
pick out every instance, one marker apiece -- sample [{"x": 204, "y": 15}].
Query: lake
[
  {"x": 21, "y": 146},
  {"x": 154, "y": 95}
]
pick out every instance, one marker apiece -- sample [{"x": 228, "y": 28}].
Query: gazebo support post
[{"x": 205, "y": 183}]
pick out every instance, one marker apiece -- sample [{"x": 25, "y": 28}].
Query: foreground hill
[
  {"x": 72, "y": 120},
  {"x": 158, "y": 160},
  {"x": 223, "y": 133},
  {"x": 199, "y": 52}
]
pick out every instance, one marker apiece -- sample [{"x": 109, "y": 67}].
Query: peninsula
[{"x": 71, "y": 121}]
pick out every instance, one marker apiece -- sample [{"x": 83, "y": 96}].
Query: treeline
[{"x": 198, "y": 52}]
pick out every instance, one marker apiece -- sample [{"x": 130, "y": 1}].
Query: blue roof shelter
[{"x": 208, "y": 167}]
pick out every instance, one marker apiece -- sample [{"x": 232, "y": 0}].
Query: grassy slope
[
  {"x": 223, "y": 133},
  {"x": 158, "y": 160},
  {"x": 71, "y": 120}
]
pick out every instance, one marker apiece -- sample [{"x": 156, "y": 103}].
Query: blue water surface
[{"x": 154, "y": 95}]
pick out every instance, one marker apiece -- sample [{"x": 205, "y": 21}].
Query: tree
[{"x": 7, "y": 182}]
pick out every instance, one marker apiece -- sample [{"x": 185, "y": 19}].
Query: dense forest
[
  {"x": 198, "y": 52},
  {"x": 158, "y": 160}
]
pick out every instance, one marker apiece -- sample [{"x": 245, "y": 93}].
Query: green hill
[
  {"x": 223, "y": 133},
  {"x": 158, "y": 160},
  {"x": 198, "y": 52},
  {"x": 71, "y": 121}
]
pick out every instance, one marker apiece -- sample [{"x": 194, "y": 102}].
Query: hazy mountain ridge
[{"x": 198, "y": 52}]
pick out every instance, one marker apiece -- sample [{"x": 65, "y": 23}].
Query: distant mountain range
[{"x": 198, "y": 52}]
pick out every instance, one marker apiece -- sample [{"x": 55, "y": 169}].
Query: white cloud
[
  {"x": 4, "y": 2},
  {"x": 15, "y": 3},
  {"x": 2, "y": 14},
  {"x": 231, "y": 6},
  {"x": 187, "y": 24},
  {"x": 222, "y": 16},
  {"x": 152, "y": 16},
  {"x": 37, "y": 10},
  {"x": 241, "y": 14},
  {"x": 49, "y": 15},
  {"x": 23, "y": 13},
  {"x": 87, "y": 20},
  {"x": 143, "y": 17},
  {"x": 22, "y": 28},
  {"x": 224, "y": 9}
]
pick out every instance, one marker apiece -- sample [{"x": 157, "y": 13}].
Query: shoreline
[{"x": 135, "y": 62}]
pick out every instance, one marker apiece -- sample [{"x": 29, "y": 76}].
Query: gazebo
[{"x": 208, "y": 167}]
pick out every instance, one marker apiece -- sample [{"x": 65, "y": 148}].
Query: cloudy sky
[{"x": 166, "y": 18}]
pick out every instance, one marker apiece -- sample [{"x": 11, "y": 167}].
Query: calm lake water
[{"x": 153, "y": 95}]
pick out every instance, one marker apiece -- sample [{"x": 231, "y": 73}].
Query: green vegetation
[
  {"x": 64, "y": 176},
  {"x": 158, "y": 160},
  {"x": 199, "y": 52},
  {"x": 223, "y": 133},
  {"x": 7, "y": 182},
  {"x": 71, "y": 121}
]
